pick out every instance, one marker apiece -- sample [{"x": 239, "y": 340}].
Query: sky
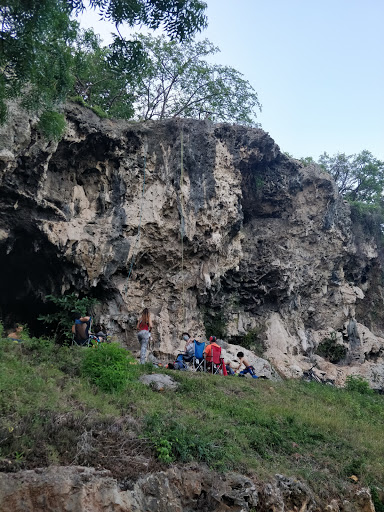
[{"x": 317, "y": 66}]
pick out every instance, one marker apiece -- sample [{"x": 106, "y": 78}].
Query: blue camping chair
[{"x": 198, "y": 360}]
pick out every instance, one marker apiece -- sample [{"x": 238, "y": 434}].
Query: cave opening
[{"x": 30, "y": 269}]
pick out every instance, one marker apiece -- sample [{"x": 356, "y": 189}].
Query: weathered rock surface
[
  {"x": 159, "y": 382},
  {"x": 187, "y": 489},
  {"x": 269, "y": 250}
]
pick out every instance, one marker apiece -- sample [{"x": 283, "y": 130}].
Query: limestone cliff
[{"x": 207, "y": 225}]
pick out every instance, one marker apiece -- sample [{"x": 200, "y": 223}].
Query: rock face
[
  {"x": 210, "y": 226},
  {"x": 188, "y": 489}
]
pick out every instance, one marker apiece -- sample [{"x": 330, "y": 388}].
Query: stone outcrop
[
  {"x": 187, "y": 489},
  {"x": 240, "y": 241}
]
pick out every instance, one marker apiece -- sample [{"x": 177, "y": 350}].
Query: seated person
[
  {"x": 230, "y": 370},
  {"x": 248, "y": 368},
  {"x": 80, "y": 328},
  {"x": 189, "y": 349},
  {"x": 15, "y": 335},
  {"x": 100, "y": 333},
  {"x": 208, "y": 348}
]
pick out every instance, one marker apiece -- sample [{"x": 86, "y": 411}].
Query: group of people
[
  {"x": 240, "y": 367},
  {"x": 144, "y": 326},
  {"x": 81, "y": 330}
]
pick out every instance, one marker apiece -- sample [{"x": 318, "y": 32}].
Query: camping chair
[
  {"x": 81, "y": 343},
  {"x": 215, "y": 362},
  {"x": 89, "y": 339},
  {"x": 198, "y": 361}
]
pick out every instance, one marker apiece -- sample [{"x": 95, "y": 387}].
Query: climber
[
  {"x": 248, "y": 368},
  {"x": 144, "y": 326},
  {"x": 80, "y": 329}
]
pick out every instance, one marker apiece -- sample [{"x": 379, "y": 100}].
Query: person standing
[{"x": 144, "y": 326}]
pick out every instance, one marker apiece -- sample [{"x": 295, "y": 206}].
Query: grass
[{"x": 52, "y": 411}]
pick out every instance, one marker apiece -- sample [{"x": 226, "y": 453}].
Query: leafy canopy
[
  {"x": 36, "y": 38},
  {"x": 359, "y": 177},
  {"x": 100, "y": 80},
  {"x": 178, "y": 81}
]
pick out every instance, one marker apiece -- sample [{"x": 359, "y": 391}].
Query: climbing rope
[
  {"x": 139, "y": 227},
  {"x": 182, "y": 220}
]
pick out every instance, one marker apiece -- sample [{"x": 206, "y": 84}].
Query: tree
[
  {"x": 36, "y": 38},
  {"x": 180, "y": 19},
  {"x": 100, "y": 81},
  {"x": 178, "y": 81},
  {"x": 34, "y": 53},
  {"x": 359, "y": 177}
]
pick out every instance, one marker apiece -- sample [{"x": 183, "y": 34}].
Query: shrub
[
  {"x": 331, "y": 350},
  {"x": 99, "y": 111},
  {"x": 358, "y": 384},
  {"x": 109, "y": 367}
]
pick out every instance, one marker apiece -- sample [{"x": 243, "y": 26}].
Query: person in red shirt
[{"x": 208, "y": 348}]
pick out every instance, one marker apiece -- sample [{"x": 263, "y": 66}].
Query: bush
[
  {"x": 99, "y": 111},
  {"x": 331, "y": 350},
  {"x": 62, "y": 319},
  {"x": 358, "y": 384},
  {"x": 110, "y": 367}
]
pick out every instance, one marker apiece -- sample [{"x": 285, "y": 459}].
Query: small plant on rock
[{"x": 331, "y": 350}]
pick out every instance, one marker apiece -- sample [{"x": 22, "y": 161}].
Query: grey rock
[{"x": 159, "y": 382}]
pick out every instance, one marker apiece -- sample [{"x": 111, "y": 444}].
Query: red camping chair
[{"x": 215, "y": 363}]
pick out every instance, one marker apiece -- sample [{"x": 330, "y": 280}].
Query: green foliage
[
  {"x": 35, "y": 54},
  {"x": 179, "y": 19},
  {"x": 99, "y": 111},
  {"x": 215, "y": 323},
  {"x": 37, "y": 41},
  {"x": 178, "y": 81},
  {"x": 164, "y": 450},
  {"x": 66, "y": 305},
  {"x": 254, "y": 340},
  {"x": 1, "y": 330},
  {"x": 359, "y": 177},
  {"x": 306, "y": 161},
  {"x": 103, "y": 76},
  {"x": 331, "y": 350},
  {"x": 175, "y": 440},
  {"x": 357, "y": 384},
  {"x": 377, "y": 500},
  {"x": 370, "y": 218},
  {"x": 109, "y": 367},
  {"x": 52, "y": 125}
]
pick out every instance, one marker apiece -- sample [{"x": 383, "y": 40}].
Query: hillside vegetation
[{"x": 68, "y": 405}]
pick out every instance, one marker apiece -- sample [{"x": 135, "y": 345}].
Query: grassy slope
[{"x": 51, "y": 413}]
